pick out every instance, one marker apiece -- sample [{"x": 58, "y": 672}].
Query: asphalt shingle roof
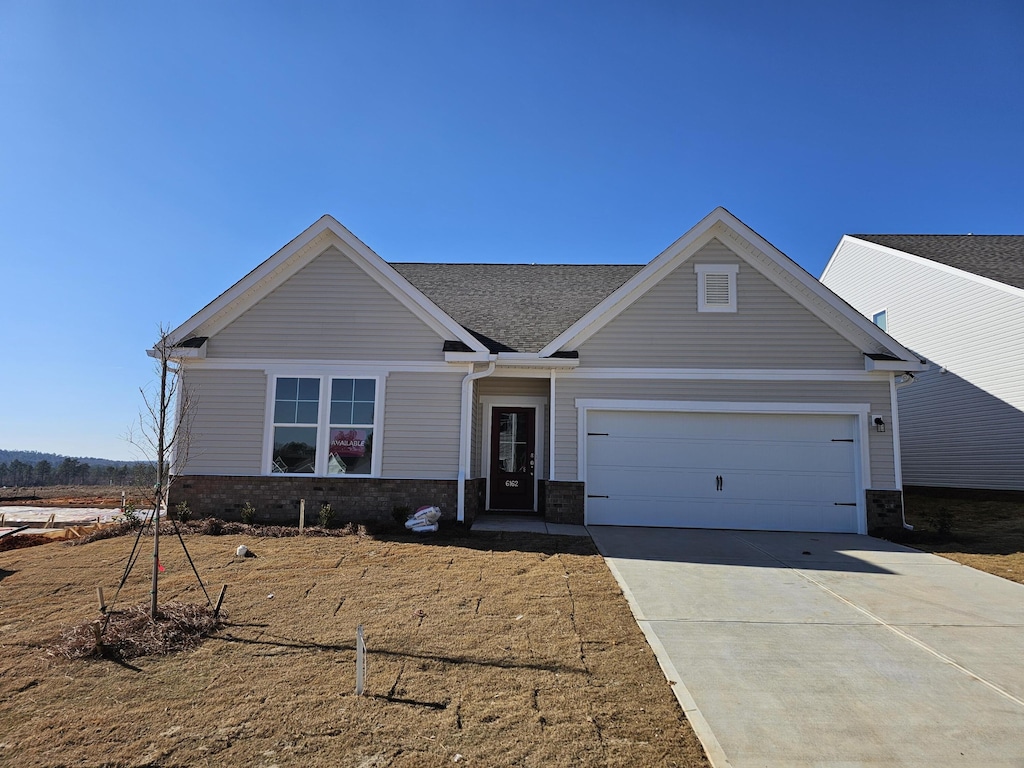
[
  {"x": 997, "y": 257},
  {"x": 516, "y": 307}
]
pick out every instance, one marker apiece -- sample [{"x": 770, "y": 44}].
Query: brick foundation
[
  {"x": 276, "y": 499},
  {"x": 885, "y": 513},
  {"x": 476, "y": 496},
  {"x": 561, "y": 502}
]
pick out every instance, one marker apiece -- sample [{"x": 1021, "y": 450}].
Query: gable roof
[
  {"x": 997, "y": 257},
  {"x": 516, "y": 307},
  {"x": 300, "y": 251},
  {"x": 759, "y": 253},
  {"x": 545, "y": 310}
]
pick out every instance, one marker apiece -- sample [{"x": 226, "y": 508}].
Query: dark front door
[{"x": 512, "y": 458}]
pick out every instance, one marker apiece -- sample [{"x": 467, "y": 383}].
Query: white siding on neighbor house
[
  {"x": 329, "y": 310},
  {"x": 964, "y": 428},
  {"x": 875, "y": 393},
  {"x": 953, "y": 433},
  {"x": 770, "y": 329},
  {"x": 497, "y": 386},
  {"x": 421, "y": 425},
  {"x": 227, "y": 425}
]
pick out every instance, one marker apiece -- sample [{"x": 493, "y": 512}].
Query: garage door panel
[
  {"x": 749, "y": 515},
  {"x": 716, "y": 455},
  {"x": 779, "y": 472},
  {"x": 646, "y": 481},
  {"x": 749, "y": 485},
  {"x": 654, "y": 424}
]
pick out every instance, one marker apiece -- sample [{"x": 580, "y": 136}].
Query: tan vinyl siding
[
  {"x": 770, "y": 329},
  {"x": 329, "y": 310},
  {"x": 874, "y": 393},
  {"x": 421, "y": 425},
  {"x": 964, "y": 428},
  {"x": 227, "y": 427}
]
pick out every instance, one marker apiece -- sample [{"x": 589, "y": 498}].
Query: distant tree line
[{"x": 74, "y": 472}]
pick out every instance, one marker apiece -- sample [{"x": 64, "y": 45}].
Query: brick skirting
[
  {"x": 885, "y": 513},
  {"x": 561, "y": 502},
  {"x": 276, "y": 499}
]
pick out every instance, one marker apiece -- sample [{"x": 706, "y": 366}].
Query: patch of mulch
[
  {"x": 132, "y": 632},
  {"x": 214, "y": 526}
]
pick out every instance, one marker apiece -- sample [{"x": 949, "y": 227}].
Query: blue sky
[{"x": 153, "y": 153}]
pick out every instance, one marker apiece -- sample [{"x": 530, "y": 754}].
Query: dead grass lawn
[
  {"x": 986, "y": 531},
  {"x": 490, "y": 650}
]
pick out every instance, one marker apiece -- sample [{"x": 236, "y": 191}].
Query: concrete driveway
[{"x": 803, "y": 649}]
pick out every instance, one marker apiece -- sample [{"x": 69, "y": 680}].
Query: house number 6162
[{"x": 511, "y": 483}]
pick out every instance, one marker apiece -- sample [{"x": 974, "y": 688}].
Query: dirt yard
[
  {"x": 982, "y": 530},
  {"x": 489, "y": 650}
]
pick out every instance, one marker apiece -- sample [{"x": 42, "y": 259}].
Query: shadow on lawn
[
  {"x": 307, "y": 645},
  {"x": 4, "y": 573},
  {"x": 493, "y": 541}
]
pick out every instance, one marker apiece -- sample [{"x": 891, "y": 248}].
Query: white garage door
[{"x": 773, "y": 472}]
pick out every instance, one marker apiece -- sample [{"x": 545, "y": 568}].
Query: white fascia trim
[
  {"x": 188, "y": 353},
  {"x": 513, "y": 360},
  {"x": 467, "y": 357},
  {"x": 722, "y": 374},
  {"x": 577, "y": 333},
  {"x": 937, "y": 266},
  {"x": 822, "y": 292},
  {"x": 531, "y": 360},
  {"x": 894, "y": 365},
  {"x": 233, "y": 296},
  {"x": 328, "y": 366},
  {"x": 324, "y": 233},
  {"x": 721, "y": 223}
]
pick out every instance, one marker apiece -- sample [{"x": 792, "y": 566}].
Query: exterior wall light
[{"x": 879, "y": 424}]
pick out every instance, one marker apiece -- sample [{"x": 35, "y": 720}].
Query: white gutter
[{"x": 465, "y": 435}]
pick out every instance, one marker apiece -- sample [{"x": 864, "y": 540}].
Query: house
[
  {"x": 720, "y": 385},
  {"x": 958, "y": 301}
]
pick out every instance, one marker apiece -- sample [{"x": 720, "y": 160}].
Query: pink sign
[{"x": 348, "y": 442}]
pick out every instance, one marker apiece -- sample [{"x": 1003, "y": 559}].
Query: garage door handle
[
  {"x": 844, "y": 503},
  {"x": 595, "y": 496},
  {"x": 718, "y": 482}
]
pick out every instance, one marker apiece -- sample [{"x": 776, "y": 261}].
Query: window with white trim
[
  {"x": 716, "y": 287},
  {"x": 351, "y": 446},
  {"x": 323, "y": 426},
  {"x": 296, "y": 417}
]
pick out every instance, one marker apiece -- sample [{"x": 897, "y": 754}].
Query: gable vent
[
  {"x": 716, "y": 287},
  {"x": 716, "y": 290}
]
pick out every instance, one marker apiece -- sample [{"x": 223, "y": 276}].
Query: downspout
[
  {"x": 551, "y": 429},
  {"x": 896, "y": 452},
  {"x": 465, "y": 433}
]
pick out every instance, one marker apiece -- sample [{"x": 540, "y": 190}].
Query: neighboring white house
[
  {"x": 718, "y": 386},
  {"x": 958, "y": 301}
]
